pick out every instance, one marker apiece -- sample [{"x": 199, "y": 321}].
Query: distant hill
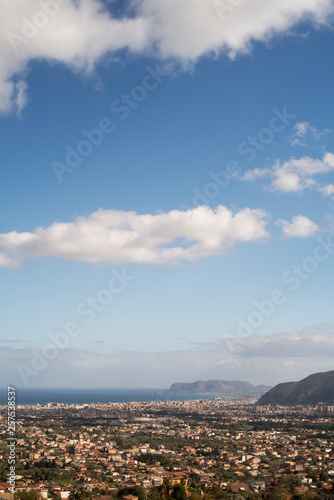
[
  {"x": 317, "y": 388},
  {"x": 221, "y": 387}
]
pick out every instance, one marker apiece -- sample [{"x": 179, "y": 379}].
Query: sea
[{"x": 33, "y": 396}]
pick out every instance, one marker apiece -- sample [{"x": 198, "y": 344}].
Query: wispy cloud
[
  {"x": 115, "y": 237},
  {"x": 313, "y": 342},
  {"x": 295, "y": 175},
  {"x": 303, "y": 132}
]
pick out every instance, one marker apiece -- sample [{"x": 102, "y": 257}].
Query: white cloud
[
  {"x": 80, "y": 33},
  {"x": 303, "y": 131},
  {"x": 77, "y": 34},
  {"x": 21, "y": 96},
  {"x": 299, "y": 227},
  {"x": 327, "y": 190},
  {"x": 294, "y": 175},
  {"x": 256, "y": 173},
  {"x": 191, "y": 28},
  {"x": 114, "y": 237}
]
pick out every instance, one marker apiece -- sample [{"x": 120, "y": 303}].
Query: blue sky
[{"x": 195, "y": 270}]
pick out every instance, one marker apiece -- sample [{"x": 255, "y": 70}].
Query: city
[{"x": 214, "y": 448}]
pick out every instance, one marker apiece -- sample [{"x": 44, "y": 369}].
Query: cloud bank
[
  {"x": 314, "y": 342},
  {"x": 269, "y": 359},
  {"x": 115, "y": 237},
  {"x": 80, "y": 33}
]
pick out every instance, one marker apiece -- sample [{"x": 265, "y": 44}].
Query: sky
[{"x": 167, "y": 191}]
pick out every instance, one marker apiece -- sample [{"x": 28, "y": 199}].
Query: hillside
[
  {"x": 314, "y": 389},
  {"x": 221, "y": 387}
]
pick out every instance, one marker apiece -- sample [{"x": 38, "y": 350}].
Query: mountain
[
  {"x": 317, "y": 388},
  {"x": 221, "y": 387}
]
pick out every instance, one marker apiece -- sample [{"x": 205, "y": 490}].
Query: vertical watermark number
[{"x": 11, "y": 417}]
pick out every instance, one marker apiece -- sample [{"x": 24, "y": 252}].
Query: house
[
  {"x": 4, "y": 487},
  {"x": 239, "y": 488}
]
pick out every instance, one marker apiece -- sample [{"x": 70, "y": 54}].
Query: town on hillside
[{"x": 211, "y": 449}]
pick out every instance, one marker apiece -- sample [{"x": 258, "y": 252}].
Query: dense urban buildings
[{"x": 218, "y": 448}]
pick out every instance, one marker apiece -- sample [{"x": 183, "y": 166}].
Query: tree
[
  {"x": 179, "y": 492},
  {"x": 279, "y": 494},
  {"x": 79, "y": 494},
  {"x": 154, "y": 495},
  {"x": 27, "y": 495},
  {"x": 132, "y": 490},
  {"x": 323, "y": 477}
]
